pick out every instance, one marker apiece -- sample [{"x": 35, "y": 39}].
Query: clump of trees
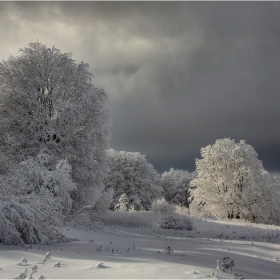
[
  {"x": 176, "y": 186},
  {"x": 231, "y": 182},
  {"x": 54, "y": 158},
  {"x": 133, "y": 180}
]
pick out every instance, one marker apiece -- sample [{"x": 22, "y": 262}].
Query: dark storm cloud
[{"x": 179, "y": 74}]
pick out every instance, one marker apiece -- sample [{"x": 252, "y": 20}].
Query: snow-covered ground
[{"x": 140, "y": 253}]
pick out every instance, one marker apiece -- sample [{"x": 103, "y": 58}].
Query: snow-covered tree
[
  {"x": 131, "y": 174},
  {"x": 232, "y": 182},
  {"x": 34, "y": 200},
  {"x": 105, "y": 200},
  {"x": 175, "y": 184},
  {"x": 49, "y": 101},
  {"x": 267, "y": 208},
  {"x": 123, "y": 203}
]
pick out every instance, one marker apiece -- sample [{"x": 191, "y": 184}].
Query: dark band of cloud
[{"x": 179, "y": 74}]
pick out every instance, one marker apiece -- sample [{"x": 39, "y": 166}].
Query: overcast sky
[{"x": 179, "y": 75}]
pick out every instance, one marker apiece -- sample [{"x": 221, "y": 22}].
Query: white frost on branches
[
  {"x": 123, "y": 203},
  {"x": 29, "y": 219},
  {"x": 175, "y": 184},
  {"x": 161, "y": 206},
  {"x": 131, "y": 174},
  {"x": 47, "y": 101},
  {"x": 232, "y": 182},
  {"x": 34, "y": 201},
  {"x": 33, "y": 176},
  {"x": 105, "y": 200}
]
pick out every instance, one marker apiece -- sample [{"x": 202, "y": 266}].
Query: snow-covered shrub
[
  {"x": 34, "y": 200},
  {"x": 178, "y": 222},
  {"x": 144, "y": 219},
  {"x": 33, "y": 176},
  {"x": 175, "y": 184},
  {"x": 30, "y": 218},
  {"x": 161, "y": 206},
  {"x": 131, "y": 174}
]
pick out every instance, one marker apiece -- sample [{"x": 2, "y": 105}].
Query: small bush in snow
[
  {"x": 176, "y": 222},
  {"x": 161, "y": 206},
  {"x": 145, "y": 219}
]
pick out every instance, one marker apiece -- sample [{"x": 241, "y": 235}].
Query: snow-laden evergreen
[
  {"x": 123, "y": 203},
  {"x": 49, "y": 101},
  {"x": 131, "y": 175},
  {"x": 175, "y": 184},
  {"x": 232, "y": 182}
]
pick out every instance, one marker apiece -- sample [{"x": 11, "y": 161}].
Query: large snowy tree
[
  {"x": 131, "y": 176},
  {"x": 48, "y": 101},
  {"x": 175, "y": 184},
  {"x": 232, "y": 182}
]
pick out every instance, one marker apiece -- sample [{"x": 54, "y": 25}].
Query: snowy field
[{"x": 132, "y": 253}]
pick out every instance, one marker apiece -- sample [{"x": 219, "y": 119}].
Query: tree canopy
[
  {"x": 232, "y": 182},
  {"x": 175, "y": 184},
  {"x": 48, "y": 101},
  {"x": 133, "y": 179}
]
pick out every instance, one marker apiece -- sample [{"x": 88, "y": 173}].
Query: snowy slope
[{"x": 254, "y": 249}]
